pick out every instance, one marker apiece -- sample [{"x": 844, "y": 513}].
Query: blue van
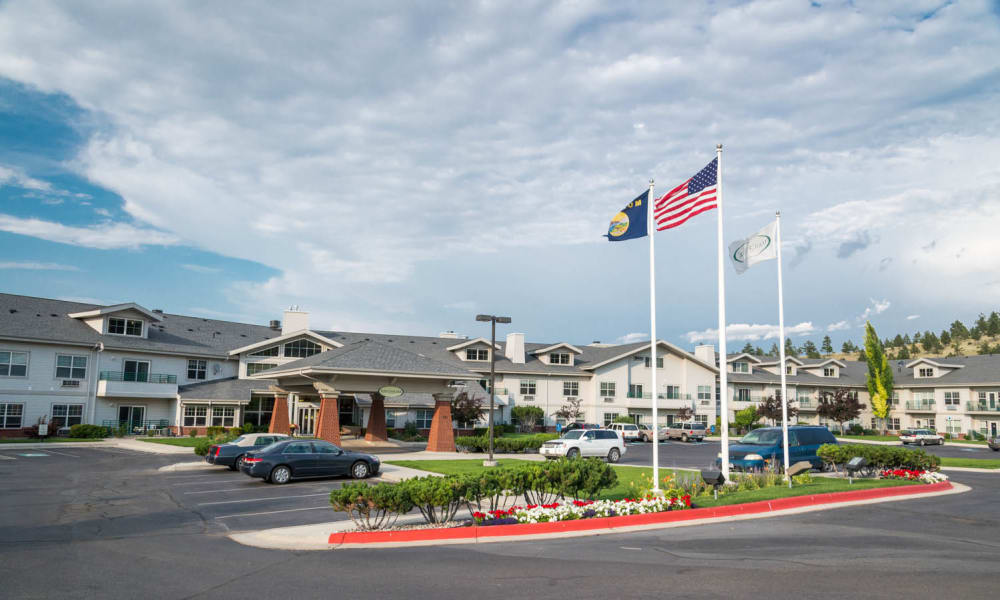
[{"x": 763, "y": 446}]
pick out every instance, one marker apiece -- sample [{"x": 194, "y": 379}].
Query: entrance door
[
  {"x": 993, "y": 429},
  {"x": 131, "y": 416},
  {"x": 347, "y": 411},
  {"x": 307, "y": 420},
  {"x": 135, "y": 370}
]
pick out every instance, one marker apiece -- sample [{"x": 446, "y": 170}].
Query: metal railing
[
  {"x": 137, "y": 377},
  {"x": 981, "y": 407},
  {"x": 920, "y": 405},
  {"x": 660, "y": 396},
  {"x": 750, "y": 398},
  {"x": 146, "y": 424}
]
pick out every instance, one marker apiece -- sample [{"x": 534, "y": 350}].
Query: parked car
[
  {"x": 575, "y": 426},
  {"x": 920, "y": 437},
  {"x": 763, "y": 447},
  {"x": 630, "y": 432},
  {"x": 685, "y": 432},
  {"x": 646, "y": 434},
  {"x": 231, "y": 453},
  {"x": 994, "y": 443},
  {"x": 586, "y": 442},
  {"x": 298, "y": 459}
]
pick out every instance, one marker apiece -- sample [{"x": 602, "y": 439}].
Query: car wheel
[
  {"x": 360, "y": 470},
  {"x": 614, "y": 455},
  {"x": 280, "y": 475},
  {"x": 684, "y": 437},
  {"x": 573, "y": 453},
  {"x": 921, "y": 443},
  {"x": 995, "y": 449},
  {"x": 237, "y": 464}
]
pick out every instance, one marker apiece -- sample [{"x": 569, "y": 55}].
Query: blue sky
[{"x": 394, "y": 168}]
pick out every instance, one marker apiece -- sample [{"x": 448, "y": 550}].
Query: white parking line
[
  {"x": 64, "y": 453},
  {"x": 271, "y": 512},
  {"x": 2, "y": 457},
  {"x": 262, "y": 499},
  {"x": 242, "y": 489}
]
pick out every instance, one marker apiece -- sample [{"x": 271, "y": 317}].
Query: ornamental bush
[
  {"x": 879, "y": 457},
  {"x": 87, "y": 431},
  {"x": 437, "y": 498},
  {"x": 370, "y": 506}
]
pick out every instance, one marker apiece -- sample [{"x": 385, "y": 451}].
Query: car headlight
[{"x": 753, "y": 457}]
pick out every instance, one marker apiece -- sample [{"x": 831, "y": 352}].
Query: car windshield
[
  {"x": 906, "y": 432},
  {"x": 573, "y": 435},
  {"x": 761, "y": 437},
  {"x": 239, "y": 439}
]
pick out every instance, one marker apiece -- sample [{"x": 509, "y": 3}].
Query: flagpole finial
[
  {"x": 777, "y": 213},
  {"x": 718, "y": 146}
]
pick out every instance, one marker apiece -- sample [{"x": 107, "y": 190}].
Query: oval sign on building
[{"x": 390, "y": 391}]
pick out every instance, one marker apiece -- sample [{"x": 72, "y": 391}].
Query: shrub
[
  {"x": 248, "y": 427},
  {"x": 87, "y": 431},
  {"x": 193, "y": 433},
  {"x": 879, "y": 457},
  {"x": 584, "y": 478},
  {"x": 370, "y": 506},
  {"x": 201, "y": 448},
  {"x": 437, "y": 498},
  {"x": 410, "y": 428},
  {"x": 471, "y": 443},
  {"x": 214, "y": 430},
  {"x": 856, "y": 429}
]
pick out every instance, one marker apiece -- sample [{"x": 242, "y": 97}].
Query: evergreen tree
[
  {"x": 906, "y": 339},
  {"x": 916, "y": 337},
  {"x": 774, "y": 351},
  {"x": 930, "y": 342},
  {"x": 984, "y": 348},
  {"x": 904, "y": 353},
  {"x": 945, "y": 337},
  {"x": 993, "y": 324},
  {"x": 790, "y": 349},
  {"x": 747, "y": 349},
  {"x": 879, "y": 377},
  {"x": 827, "y": 347},
  {"x": 897, "y": 341},
  {"x": 810, "y": 350},
  {"x": 981, "y": 327},
  {"x": 847, "y": 347},
  {"x": 959, "y": 331},
  {"x": 758, "y": 351},
  {"x": 914, "y": 350}
]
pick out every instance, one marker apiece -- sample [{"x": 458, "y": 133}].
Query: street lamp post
[{"x": 493, "y": 319}]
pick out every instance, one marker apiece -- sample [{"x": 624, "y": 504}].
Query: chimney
[
  {"x": 514, "y": 348},
  {"x": 705, "y": 353},
  {"x": 448, "y": 334},
  {"x": 295, "y": 320},
  {"x": 274, "y": 324}
]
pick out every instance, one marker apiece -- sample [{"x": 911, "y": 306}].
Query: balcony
[
  {"x": 660, "y": 396},
  {"x": 119, "y": 384},
  {"x": 981, "y": 407},
  {"x": 663, "y": 401},
  {"x": 920, "y": 406},
  {"x": 807, "y": 404}
]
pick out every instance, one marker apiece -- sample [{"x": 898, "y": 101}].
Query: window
[
  {"x": 390, "y": 418},
  {"x": 874, "y": 423},
  {"x": 10, "y": 415},
  {"x": 424, "y": 418},
  {"x": 930, "y": 423},
  {"x": 951, "y": 398},
  {"x": 223, "y": 416},
  {"x": 125, "y": 326},
  {"x": 673, "y": 392},
  {"x": 571, "y": 388},
  {"x": 829, "y": 372},
  {"x": 272, "y": 351},
  {"x": 527, "y": 388},
  {"x": 13, "y": 364},
  {"x": 648, "y": 361},
  {"x": 253, "y": 368},
  {"x": 195, "y": 415},
  {"x": 924, "y": 398},
  {"x": 788, "y": 370},
  {"x": 608, "y": 389},
  {"x": 925, "y": 372},
  {"x": 743, "y": 394},
  {"x": 301, "y": 349},
  {"x": 66, "y": 415},
  {"x": 704, "y": 392},
  {"x": 71, "y": 367},
  {"x": 703, "y": 419},
  {"x": 953, "y": 426},
  {"x": 893, "y": 423},
  {"x": 895, "y": 397},
  {"x": 479, "y": 354},
  {"x": 635, "y": 390},
  {"x": 197, "y": 368},
  {"x": 559, "y": 358},
  {"x": 135, "y": 370},
  {"x": 298, "y": 448},
  {"x": 609, "y": 418},
  {"x": 741, "y": 367},
  {"x": 258, "y": 412}
]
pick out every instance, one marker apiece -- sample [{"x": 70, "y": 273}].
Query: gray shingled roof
[
  {"x": 375, "y": 356},
  {"x": 229, "y": 388},
  {"x": 30, "y": 318}
]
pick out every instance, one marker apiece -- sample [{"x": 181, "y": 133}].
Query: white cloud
[
  {"x": 877, "y": 307},
  {"x": 838, "y": 326},
  {"x": 37, "y": 266},
  {"x": 745, "y": 332},
  {"x": 15, "y": 176},
  {"x": 631, "y": 338},
  {"x": 201, "y": 269},
  {"x": 103, "y": 236},
  {"x": 912, "y": 317}
]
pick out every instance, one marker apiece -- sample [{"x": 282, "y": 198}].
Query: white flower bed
[{"x": 580, "y": 509}]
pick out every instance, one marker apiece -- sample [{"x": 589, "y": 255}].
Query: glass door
[
  {"x": 135, "y": 370},
  {"x": 307, "y": 420},
  {"x": 131, "y": 416}
]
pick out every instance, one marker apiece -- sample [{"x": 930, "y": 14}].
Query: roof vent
[
  {"x": 189, "y": 329},
  {"x": 13, "y": 310},
  {"x": 274, "y": 324},
  {"x": 158, "y": 311},
  {"x": 53, "y": 315}
]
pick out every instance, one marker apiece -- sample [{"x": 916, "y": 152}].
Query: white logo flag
[{"x": 757, "y": 248}]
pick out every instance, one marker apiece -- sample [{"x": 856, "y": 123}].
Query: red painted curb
[{"x": 610, "y": 523}]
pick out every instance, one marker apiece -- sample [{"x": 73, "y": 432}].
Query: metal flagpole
[
  {"x": 651, "y": 230},
  {"x": 781, "y": 348},
  {"x": 723, "y": 384}
]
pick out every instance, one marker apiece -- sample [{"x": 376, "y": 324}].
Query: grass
[
  {"x": 184, "y": 442},
  {"x": 46, "y": 440},
  {"x": 516, "y": 436},
  {"x": 627, "y": 474},
  {"x": 870, "y": 438},
  {"x": 974, "y": 463}
]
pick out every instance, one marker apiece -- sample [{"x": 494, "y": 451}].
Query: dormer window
[
  {"x": 925, "y": 372},
  {"x": 741, "y": 367},
  {"x": 559, "y": 358},
  {"x": 477, "y": 354},
  {"x": 120, "y": 326},
  {"x": 789, "y": 370},
  {"x": 829, "y": 372},
  {"x": 301, "y": 349}
]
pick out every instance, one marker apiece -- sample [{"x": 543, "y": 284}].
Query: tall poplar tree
[{"x": 879, "y": 377}]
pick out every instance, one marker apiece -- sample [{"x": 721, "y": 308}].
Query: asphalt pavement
[{"x": 104, "y": 523}]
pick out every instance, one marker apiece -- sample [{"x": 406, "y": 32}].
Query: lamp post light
[{"x": 493, "y": 320}]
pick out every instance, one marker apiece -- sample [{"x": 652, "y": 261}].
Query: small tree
[
  {"x": 467, "y": 408},
  {"x": 748, "y": 348},
  {"x": 770, "y": 408},
  {"x": 790, "y": 349},
  {"x": 879, "y": 378},
  {"x": 685, "y": 414},
  {"x": 840, "y": 407},
  {"x": 624, "y": 419},
  {"x": 527, "y": 417},
  {"x": 745, "y": 418},
  {"x": 571, "y": 411},
  {"x": 809, "y": 349},
  {"x": 959, "y": 331},
  {"x": 827, "y": 346},
  {"x": 945, "y": 337}
]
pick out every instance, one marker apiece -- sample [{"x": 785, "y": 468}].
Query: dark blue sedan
[
  {"x": 231, "y": 454},
  {"x": 299, "y": 459}
]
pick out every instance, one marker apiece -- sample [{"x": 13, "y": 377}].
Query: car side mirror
[{"x": 339, "y": 452}]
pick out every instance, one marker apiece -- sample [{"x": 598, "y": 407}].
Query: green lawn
[
  {"x": 626, "y": 474},
  {"x": 870, "y": 438},
  {"x": 47, "y": 440},
  {"x": 525, "y": 435},
  {"x": 184, "y": 442},
  {"x": 975, "y": 463}
]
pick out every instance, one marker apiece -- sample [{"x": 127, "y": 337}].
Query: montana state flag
[{"x": 630, "y": 223}]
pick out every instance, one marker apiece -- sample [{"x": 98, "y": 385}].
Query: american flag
[{"x": 693, "y": 197}]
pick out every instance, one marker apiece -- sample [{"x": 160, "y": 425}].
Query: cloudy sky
[{"x": 402, "y": 166}]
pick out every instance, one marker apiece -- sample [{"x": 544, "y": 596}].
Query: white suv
[
  {"x": 586, "y": 442},
  {"x": 629, "y": 431}
]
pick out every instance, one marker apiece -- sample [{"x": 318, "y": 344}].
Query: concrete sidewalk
[
  {"x": 425, "y": 455},
  {"x": 124, "y": 443}
]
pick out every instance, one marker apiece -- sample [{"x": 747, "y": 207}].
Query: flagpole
[
  {"x": 723, "y": 384},
  {"x": 651, "y": 230},
  {"x": 781, "y": 348}
]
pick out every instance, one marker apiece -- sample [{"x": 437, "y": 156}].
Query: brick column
[
  {"x": 279, "y": 416},
  {"x": 376, "y": 420},
  {"x": 442, "y": 436},
  {"x": 328, "y": 419}
]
